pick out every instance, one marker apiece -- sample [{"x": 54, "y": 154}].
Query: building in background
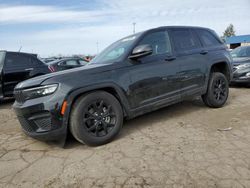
[{"x": 240, "y": 40}]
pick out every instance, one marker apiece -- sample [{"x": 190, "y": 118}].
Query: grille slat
[
  {"x": 19, "y": 96},
  {"x": 35, "y": 125},
  {"x": 44, "y": 124},
  {"x": 27, "y": 125}
]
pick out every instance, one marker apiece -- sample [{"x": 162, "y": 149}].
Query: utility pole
[{"x": 134, "y": 27}]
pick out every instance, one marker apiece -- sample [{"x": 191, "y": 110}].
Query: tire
[
  {"x": 96, "y": 118},
  {"x": 217, "y": 91}
]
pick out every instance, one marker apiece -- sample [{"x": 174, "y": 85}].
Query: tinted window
[
  {"x": 159, "y": 41},
  {"x": 184, "y": 40},
  {"x": 17, "y": 60},
  {"x": 207, "y": 38},
  {"x": 71, "y": 62},
  {"x": 241, "y": 52}
]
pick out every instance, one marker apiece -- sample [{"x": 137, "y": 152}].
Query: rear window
[
  {"x": 207, "y": 38},
  {"x": 184, "y": 40},
  {"x": 71, "y": 62}
]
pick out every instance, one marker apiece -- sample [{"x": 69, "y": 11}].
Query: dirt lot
[{"x": 178, "y": 146}]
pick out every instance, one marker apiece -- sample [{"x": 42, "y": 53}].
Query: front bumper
[
  {"x": 240, "y": 78},
  {"x": 40, "y": 118}
]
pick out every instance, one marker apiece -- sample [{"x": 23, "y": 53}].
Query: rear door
[
  {"x": 17, "y": 67},
  {"x": 191, "y": 58}
]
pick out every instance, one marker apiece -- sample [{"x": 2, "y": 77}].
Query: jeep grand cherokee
[{"x": 137, "y": 74}]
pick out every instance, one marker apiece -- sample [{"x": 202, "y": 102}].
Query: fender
[
  {"x": 74, "y": 94},
  {"x": 228, "y": 66}
]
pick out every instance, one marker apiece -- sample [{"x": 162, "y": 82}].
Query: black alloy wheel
[
  {"x": 96, "y": 118},
  {"x": 220, "y": 91},
  {"x": 217, "y": 90},
  {"x": 99, "y": 118}
]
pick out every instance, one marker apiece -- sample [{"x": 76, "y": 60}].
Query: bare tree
[{"x": 229, "y": 31}]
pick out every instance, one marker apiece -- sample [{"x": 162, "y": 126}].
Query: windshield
[
  {"x": 241, "y": 52},
  {"x": 115, "y": 51}
]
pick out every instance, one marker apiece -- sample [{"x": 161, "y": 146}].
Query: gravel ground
[{"x": 178, "y": 146}]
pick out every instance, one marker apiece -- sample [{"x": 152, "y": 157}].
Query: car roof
[
  {"x": 169, "y": 27},
  {"x": 24, "y": 53},
  {"x": 178, "y": 27}
]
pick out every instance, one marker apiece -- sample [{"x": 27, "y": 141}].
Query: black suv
[
  {"x": 135, "y": 75},
  {"x": 16, "y": 67}
]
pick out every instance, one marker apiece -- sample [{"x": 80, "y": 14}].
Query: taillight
[{"x": 51, "y": 68}]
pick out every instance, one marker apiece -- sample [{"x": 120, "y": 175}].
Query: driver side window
[{"x": 159, "y": 42}]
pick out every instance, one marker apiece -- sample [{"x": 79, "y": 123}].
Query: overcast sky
[{"x": 68, "y": 27}]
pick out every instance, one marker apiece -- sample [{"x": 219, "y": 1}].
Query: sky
[{"x": 66, "y": 27}]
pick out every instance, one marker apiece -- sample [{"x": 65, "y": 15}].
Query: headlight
[
  {"x": 248, "y": 74},
  {"x": 39, "y": 91}
]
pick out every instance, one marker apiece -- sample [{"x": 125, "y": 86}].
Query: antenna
[{"x": 20, "y": 48}]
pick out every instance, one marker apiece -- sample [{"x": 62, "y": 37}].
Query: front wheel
[
  {"x": 96, "y": 118},
  {"x": 217, "y": 91}
]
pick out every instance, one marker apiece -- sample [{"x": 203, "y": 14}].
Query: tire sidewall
[
  {"x": 211, "y": 100},
  {"x": 78, "y": 123}
]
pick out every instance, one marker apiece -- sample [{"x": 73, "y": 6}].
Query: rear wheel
[
  {"x": 96, "y": 118},
  {"x": 217, "y": 92}
]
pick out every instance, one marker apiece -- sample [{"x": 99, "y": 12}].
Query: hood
[
  {"x": 87, "y": 69},
  {"x": 240, "y": 60}
]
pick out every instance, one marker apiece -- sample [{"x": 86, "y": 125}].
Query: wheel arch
[
  {"x": 111, "y": 88},
  {"x": 221, "y": 66}
]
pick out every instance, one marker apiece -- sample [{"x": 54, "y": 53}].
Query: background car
[
  {"x": 241, "y": 65},
  {"x": 47, "y": 60},
  {"x": 16, "y": 67},
  {"x": 66, "y": 63}
]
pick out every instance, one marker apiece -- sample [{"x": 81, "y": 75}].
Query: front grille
[
  {"x": 43, "y": 123},
  {"x": 27, "y": 125},
  {"x": 238, "y": 75},
  {"x": 36, "y": 124},
  {"x": 19, "y": 96}
]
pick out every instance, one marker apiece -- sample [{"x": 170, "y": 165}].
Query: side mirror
[{"x": 141, "y": 51}]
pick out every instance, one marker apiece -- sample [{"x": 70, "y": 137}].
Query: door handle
[
  {"x": 203, "y": 52},
  {"x": 29, "y": 69},
  {"x": 170, "y": 58}
]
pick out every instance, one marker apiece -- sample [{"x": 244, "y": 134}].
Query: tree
[{"x": 229, "y": 31}]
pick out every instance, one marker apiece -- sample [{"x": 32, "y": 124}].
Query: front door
[{"x": 154, "y": 77}]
